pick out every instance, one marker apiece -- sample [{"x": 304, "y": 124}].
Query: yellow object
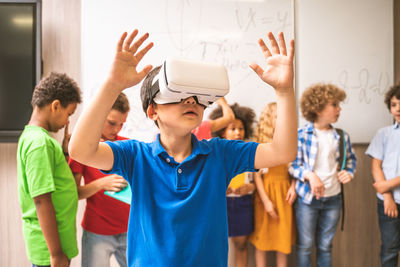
[
  {"x": 270, "y": 234},
  {"x": 238, "y": 181}
]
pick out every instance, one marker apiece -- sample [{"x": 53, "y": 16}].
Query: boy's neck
[
  {"x": 39, "y": 118},
  {"x": 178, "y": 147},
  {"x": 322, "y": 126}
]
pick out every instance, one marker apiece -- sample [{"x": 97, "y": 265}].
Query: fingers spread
[
  {"x": 282, "y": 44},
  {"x": 121, "y": 41},
  {"x": 135, "y": 46},
  {"x": 274, "y": 44},
  {"x": 128, "y": 41},
  {"x": 264, "y": 48}
]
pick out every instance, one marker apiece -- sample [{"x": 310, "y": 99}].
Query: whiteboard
[
  {"x": 221, "y": 31},
  {"x": 348, "y": 43}
]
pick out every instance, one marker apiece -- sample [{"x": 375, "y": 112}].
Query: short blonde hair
[
  {"x": 317, "y": 96},
  {"x": 265, "y": 129}
]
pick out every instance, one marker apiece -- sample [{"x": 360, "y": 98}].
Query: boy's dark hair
[
  {"x": 146, "y": 94},
  {"x": 121, "y": 104},
  {"x": 245, "y": 114},
  {"x": 393, "y": 91},
  {"x": 56, "y": 86},
  {"x": 317, "y": 96}
]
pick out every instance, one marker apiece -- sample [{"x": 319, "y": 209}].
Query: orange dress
[{"x": 269, "y": 234}]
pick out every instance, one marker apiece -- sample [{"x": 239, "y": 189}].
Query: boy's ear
[
  {"x": 152, "y": 112},
  {"x": 55, "y": 105}
]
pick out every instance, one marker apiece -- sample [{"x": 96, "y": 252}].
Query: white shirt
[{"x": 326, "y": 163}]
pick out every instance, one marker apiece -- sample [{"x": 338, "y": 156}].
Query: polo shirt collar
[
  {"x": 396, "y": 125},
  {"x": 199, "y": 148}
]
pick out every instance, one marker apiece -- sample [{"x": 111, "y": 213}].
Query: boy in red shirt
[{"x": 105, "y": 221}]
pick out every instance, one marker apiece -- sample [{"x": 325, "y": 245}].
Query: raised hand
[
  {"x": 279, "y": 70},
  {"x": 123, "y": 73}
]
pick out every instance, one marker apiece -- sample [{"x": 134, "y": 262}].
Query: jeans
[
  {"x": 390, "y": 236},
  {"x": 316, "y": 220},
  {"x": 97, "y": 249}
]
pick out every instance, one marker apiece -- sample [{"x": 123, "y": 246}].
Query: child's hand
[
  {"x": 390, "y": 206},
  {"x": 113, "y": 182},
  {"x": 65, "y": 141},
  {"x": 60, "y": 260},
  {"x": 222, "y": 102},
  {"x": 279, "y": 70},
  {"x": 270, "y": 209},
  {"x": 291, "y": 195},
  {"x": 382, "y": 187},
  {"x": 317, "y": 187},
  {"x": 229, "y": 191},
  {"x": 123, "y": 73},
  {"x": 344, "y": 177},
  {"x": 244, "y": 189}
]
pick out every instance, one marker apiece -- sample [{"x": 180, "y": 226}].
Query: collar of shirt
[
  {"x": 198, "y": 148},
  {"x": 396, "y": 125},
  {"x": 310, "y": 129}
]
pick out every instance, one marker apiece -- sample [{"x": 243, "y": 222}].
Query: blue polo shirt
[
  {"x": 178, "y": 212},
  {"x": 385, "y": 146}
]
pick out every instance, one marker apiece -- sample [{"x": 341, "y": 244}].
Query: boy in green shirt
[{"x": 47, "y": 191}]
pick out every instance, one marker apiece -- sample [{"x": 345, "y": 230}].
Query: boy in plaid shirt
[{"x": 316, "y": 169}]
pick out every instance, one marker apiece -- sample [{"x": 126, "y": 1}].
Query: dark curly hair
[
  {"x": 393, "y": 91},
  {"x": 121, "y": 104},
  {"x": 245, "y": 114},
  {"x": 56, "y": 86},
  {"x": 317, "y": 96}
]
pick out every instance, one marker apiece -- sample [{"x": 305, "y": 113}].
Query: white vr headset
[{"x": 179, "y": 79}]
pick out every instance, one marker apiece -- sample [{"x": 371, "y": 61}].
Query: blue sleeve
[
  {"x": 124, "y": 154},
  {"x": 376, "y": 147},
  {"x": 238, "y": 156}
]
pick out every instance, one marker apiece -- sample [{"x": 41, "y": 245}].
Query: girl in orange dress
[{"x": 274, "y": 228}]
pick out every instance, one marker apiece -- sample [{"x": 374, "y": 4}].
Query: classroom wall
[
  {"x": 61, "y": 52},
  {"x": 357, "y": 245}
]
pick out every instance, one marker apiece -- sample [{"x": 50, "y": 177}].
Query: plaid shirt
[{"x": 307, "y": 148}]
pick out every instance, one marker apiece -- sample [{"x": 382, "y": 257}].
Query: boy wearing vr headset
[{"x": 178, "y": 211}]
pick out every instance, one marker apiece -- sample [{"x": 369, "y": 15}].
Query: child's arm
[
  {"x": 48, "y": 224},
  {"x": 111, "y": 182},
  {"x": 268, "y": 205},
  {"x": 84, "y": 145},
  {"x": 279, "y": 74},
  {"x": 385, "y": 186},
  {"x": 390, "y": 206},
  {"x": 291, "y": 193},
  {"x": 227, "y": 116}
]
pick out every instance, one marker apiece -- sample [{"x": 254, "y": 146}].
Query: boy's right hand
[
  {"x": 317, "y": 187},
  {"x": 390, "y": 206},
  {"x": 123, "y": 73},
  {"x": 60, "y": 260},
  {"x": 113, "y": 183}
]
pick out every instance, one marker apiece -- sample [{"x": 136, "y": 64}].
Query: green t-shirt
[{"x": 42, "y": 168}]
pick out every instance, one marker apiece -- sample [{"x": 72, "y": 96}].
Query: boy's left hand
[
  {"x": 279, "y": 71},
  {"x": 344, "y": 177}
]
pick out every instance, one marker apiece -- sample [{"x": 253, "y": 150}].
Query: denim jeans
[
  {"x": 316, "y": 220},
  {"x": 390, "y": 237},
  {"x": 97, "y": 249}
]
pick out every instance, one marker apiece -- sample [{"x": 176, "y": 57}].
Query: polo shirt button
[
  {"x": 179, "y": 170},
  {"x": 168, "y": 160}
]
